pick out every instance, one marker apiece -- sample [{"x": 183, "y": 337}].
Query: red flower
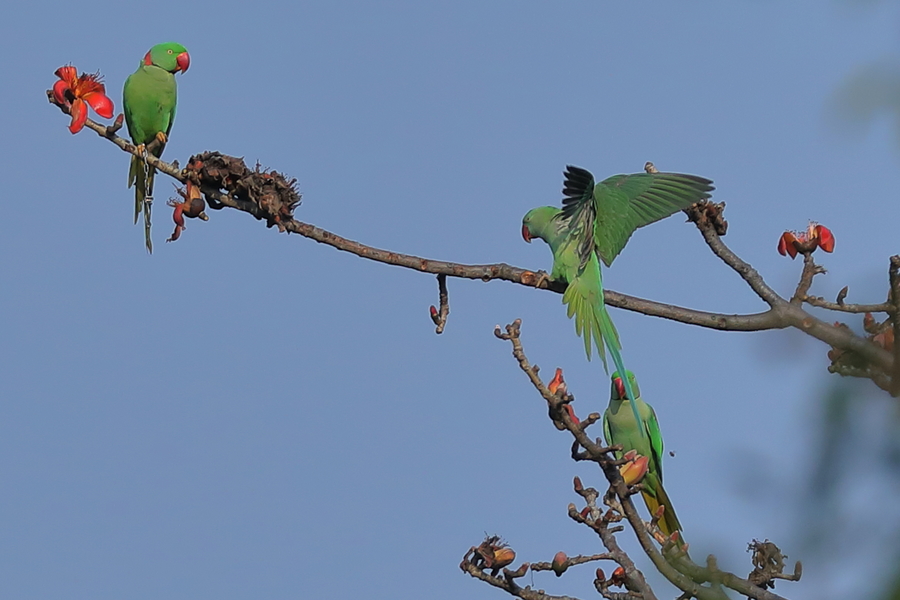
[
  {"x": 636, "y": 467},
  {"x": 193, "y": 207},
  {"x": 805, "y": 242},
  {"x": 77, "y": 93},
  {"x": 558, "y": 385},
  {"x": 618, "y": 577}
]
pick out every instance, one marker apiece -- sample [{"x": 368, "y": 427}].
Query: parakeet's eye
[{"x": 169, "y": 51}]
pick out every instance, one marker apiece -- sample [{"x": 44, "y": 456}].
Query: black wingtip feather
[{"x": 576, "y": 183}]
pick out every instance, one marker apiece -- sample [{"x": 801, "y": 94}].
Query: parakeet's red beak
[
  {"x": 620, "y": 387},
  {"x": 183, "y": 61},
  {"x": 526, "y": 235}
]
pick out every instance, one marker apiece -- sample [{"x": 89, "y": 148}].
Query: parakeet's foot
[
  {"x": 141, "y": 149},
  {"x": 538, "y": 279},
  {"x": 157, "y": 143}
]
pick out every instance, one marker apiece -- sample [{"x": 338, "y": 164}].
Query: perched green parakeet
[
  {"x": 594, "y": 224},
  {"x": 642, "y": 436},
  {"x": 149, "y": 99}
]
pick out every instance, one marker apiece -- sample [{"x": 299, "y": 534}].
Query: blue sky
[{"x": 246, "y": 414}]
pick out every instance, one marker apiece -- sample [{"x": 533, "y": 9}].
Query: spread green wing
[
  {"x": 610, "y": 211},
  {"x": 623, "y": 203}
]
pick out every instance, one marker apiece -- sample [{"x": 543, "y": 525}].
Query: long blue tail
[
  {"x": 584, "y": 301},
  {"x": 611, "y": 339}
]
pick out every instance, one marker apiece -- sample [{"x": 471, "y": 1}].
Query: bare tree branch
[
  {"x": 707, "y": 216},
  {"x": 678, "y": 568}
]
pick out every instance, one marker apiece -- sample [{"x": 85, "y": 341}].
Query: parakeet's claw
[
  {"x": 158, "y": 143},
  {"x": 539, "y": 279}
]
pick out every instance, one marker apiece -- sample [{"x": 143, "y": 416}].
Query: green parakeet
[
  {"x": 642, "y": 436},
  {"x": 149, "y": 100},
  {"x": 594, "y": 224}
]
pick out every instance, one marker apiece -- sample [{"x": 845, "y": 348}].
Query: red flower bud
[
  {"x": 869, "y": 323},
  {"x": 560, "y": 563}
]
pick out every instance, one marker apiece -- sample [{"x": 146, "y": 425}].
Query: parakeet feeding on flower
[{"x": 641, "y": 435}]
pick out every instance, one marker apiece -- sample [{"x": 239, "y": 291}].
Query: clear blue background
[{"x": 245, "y": 414}]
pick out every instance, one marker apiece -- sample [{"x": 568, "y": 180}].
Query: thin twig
[
  {"x": 571, "y": 561},
  {"x": 810, "y": 270},
  {"x": 820, "y": 302},
  {"x": 439, "y": 316},
  {"x": 894, "y": 278}
]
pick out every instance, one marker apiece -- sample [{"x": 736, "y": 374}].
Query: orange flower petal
[
  {"x": 101, "y": 104},
  {"x": 87, "y": 84},
  {"x": 556, "y": 381},
  {"x": 59, "y": 91},
  {"x": 503, "y": 557},
  {"x": 825, "y": 237},
  {"x": 79, "y": 115},
  {"x": 786, "y": 245},
  {"x": 178, "y": 215},
  {"x": 635, "y": 470},
  {"x": 68, "y": 73}
]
